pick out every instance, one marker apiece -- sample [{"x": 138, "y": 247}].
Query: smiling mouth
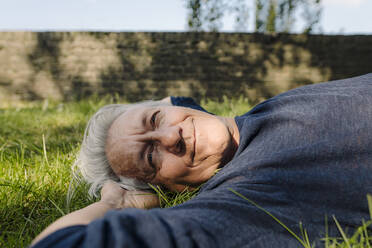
[{"x": 194, "y": 143}]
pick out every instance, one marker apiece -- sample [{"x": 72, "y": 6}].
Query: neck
[
  {"x": 234, "y": 130},
  {"x": 234, "y": 134}
]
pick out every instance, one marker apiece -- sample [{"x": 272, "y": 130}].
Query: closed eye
[{"x": 149, "y": 156}]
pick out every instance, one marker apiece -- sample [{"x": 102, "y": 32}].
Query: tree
[
  {"x": 208, "y": 14},
  {"x": 258, "y": 21},
  {"x": 270, "y": 15},
  {"x": 194, "y": 15},
  {"x": 280, "y": 15}
]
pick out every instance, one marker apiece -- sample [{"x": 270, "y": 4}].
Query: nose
[{"x": 169, "y": 137}]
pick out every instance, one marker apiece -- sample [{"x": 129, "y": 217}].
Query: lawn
[{"x": 38, "y": 145}]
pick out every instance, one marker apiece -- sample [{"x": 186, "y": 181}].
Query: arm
[
  {"x": 215, "y": 218},
  {"x": 112, "y": 197}
]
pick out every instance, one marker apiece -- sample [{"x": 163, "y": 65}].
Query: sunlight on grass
[
  {"x": 228, "y": 107},
  {"x": 38, "y": 144}
]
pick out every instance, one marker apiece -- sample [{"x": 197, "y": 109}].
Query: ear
[{"x": 166, "y": 99}]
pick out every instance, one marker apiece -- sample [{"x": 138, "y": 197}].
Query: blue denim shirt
[{"x": 303, "y": 155}]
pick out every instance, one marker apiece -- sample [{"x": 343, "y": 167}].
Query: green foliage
[
  {"x": 258, "y": 22},
  {"x": 205, "y": 14},
  {"x": 280, "y": 15},
  {"x": 193, "y": 20},
  {"x": 228, "y": 107},
  {"x": 270, "y": 15},
  {"x": 38, "y": 143},
  {"x": 170, "y": 199}
]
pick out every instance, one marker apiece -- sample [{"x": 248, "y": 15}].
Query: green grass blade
[
  {"x": 160, "y": 194},
  {"x": 346, "y": 240},
  {"x": 27, "y": 181},
  {"x": 306, "y": 238},
  {"x": 44, "y": 151},
  {"x": 28, "y": 220},
  {"x": 272, "y": 216},
  {"x": 366, "y": 236},
  {"x": 326, "y": 232},
  {"x": 369, "y": 199},
  {"x": 57, "y": 207}
]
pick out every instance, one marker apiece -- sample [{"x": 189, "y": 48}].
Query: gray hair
[{"x": 92, "y": 162}]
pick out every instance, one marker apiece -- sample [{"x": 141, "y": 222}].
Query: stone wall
[{"x": 138, "y": 66}]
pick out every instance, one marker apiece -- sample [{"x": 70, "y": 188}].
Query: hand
[{"x": 117, "y": 197}]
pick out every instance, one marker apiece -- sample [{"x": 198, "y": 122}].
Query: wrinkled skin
[
  {"x": 117, "y": 197},
  {"x": 170, "y": 146}
]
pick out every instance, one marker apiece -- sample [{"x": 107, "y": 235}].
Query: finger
[{"x": 110, "y": 187}]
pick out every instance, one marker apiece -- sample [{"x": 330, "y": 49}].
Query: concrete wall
[{"x": 140, "y": 66}]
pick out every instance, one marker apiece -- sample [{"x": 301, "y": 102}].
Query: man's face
[{"x": 169, "y": 146}]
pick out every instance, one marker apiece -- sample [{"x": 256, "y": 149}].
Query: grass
[{"x": 38, "y": 143}]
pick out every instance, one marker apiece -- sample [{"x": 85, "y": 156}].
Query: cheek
[
  {"x": 173, "y": 116},
  {"x": 173, "y": 168},
  {"x": 212, "y": 137}
]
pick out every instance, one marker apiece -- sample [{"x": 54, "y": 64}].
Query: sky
[{"x": 339, "y": 16}]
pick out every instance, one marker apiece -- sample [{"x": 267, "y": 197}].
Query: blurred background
[{"x": 72, "y": 49}]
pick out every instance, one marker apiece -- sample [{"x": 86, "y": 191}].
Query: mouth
[{"x": 194, "y": 142}]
